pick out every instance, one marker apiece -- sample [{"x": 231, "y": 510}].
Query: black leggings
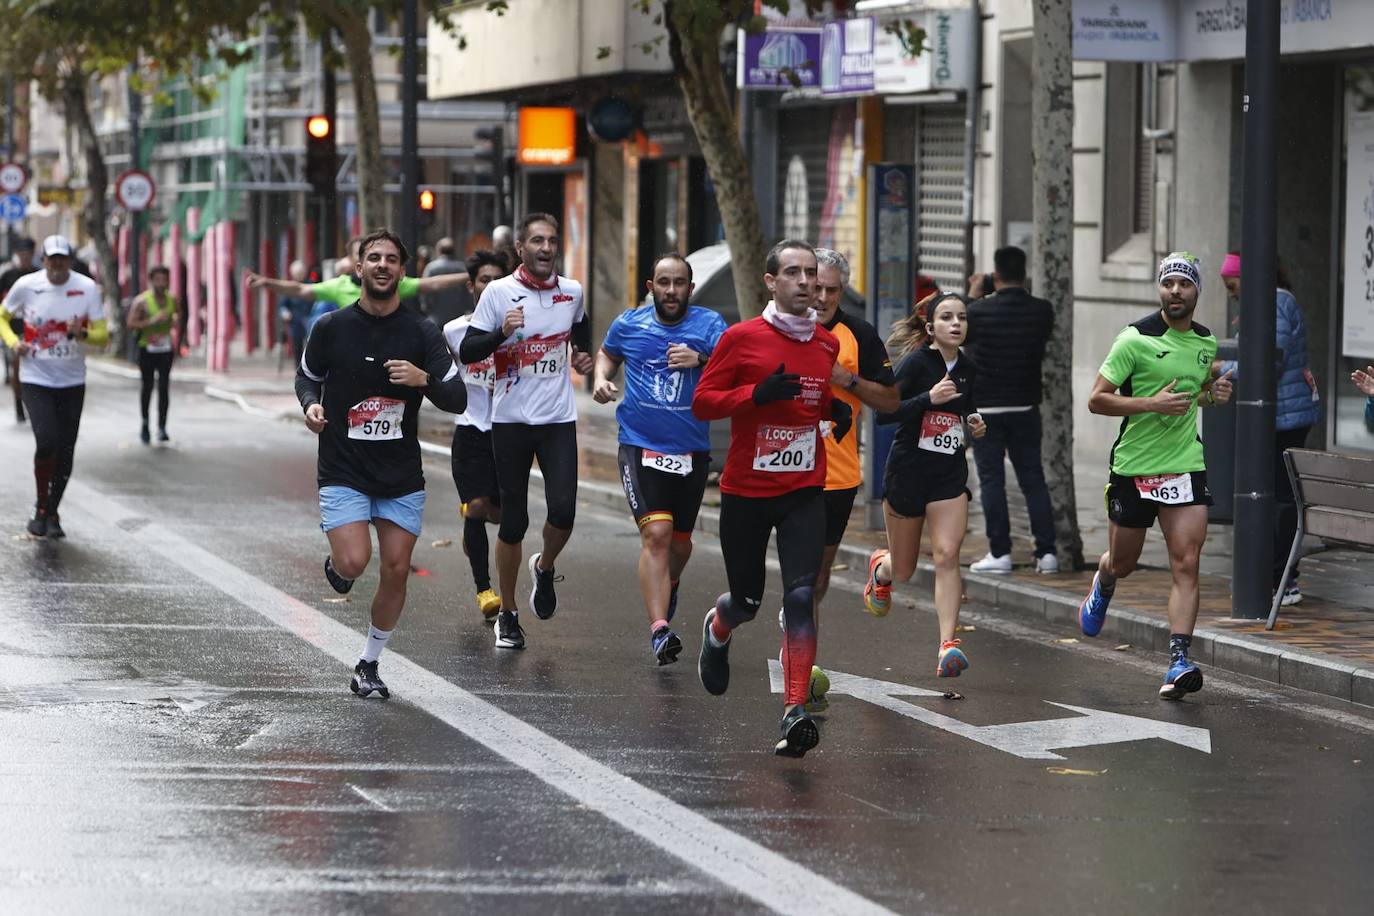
[
  {"x": 745, "y": 525},
  {"x": 161, "y": 365},
  {"x": 515, "y": 446},
  {"x": 55, "y": 415}
]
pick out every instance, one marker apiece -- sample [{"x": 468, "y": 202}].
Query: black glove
[
  {"x": 780, "y": 386},
  {"x": 842, "y": 416}
]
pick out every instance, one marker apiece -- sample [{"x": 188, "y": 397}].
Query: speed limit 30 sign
[{"x": 135, "y": 190}]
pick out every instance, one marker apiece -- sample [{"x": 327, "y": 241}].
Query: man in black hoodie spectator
[{"x": 1008, "y": 331}]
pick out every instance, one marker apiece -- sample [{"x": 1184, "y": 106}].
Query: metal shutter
[{"x": 940, "y": 176}]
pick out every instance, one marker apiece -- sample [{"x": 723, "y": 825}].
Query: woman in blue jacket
[{"x": 1297, "y": 410}]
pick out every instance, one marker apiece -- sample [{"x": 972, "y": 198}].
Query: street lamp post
[
  {"x": 410, "y": 159},
  {"x": 1253, "y": 554}
]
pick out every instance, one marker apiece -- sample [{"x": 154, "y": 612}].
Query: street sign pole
[{"x": 1253, "y": 553}]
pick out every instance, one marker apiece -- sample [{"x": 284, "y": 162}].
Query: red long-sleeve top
[{"x": 776, "y": 448}]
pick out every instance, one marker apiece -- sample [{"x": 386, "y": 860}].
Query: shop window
[{"x": 1127, "y": 167}]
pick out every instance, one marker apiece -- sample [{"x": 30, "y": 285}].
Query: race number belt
[
  {"x": 781, "y": 449},
  {"x": 376, "y": 419},
  {"x": 680, "y": 465},
  {"x": 1170, "y": 489},
  {"x": 941, "y": 432}
]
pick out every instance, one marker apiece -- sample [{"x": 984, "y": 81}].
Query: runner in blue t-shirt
[{"x": 665, "y": 452}]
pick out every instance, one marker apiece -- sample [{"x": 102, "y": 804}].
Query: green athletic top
[
  {"x": 156, "y": 334},
  {"x": 343, "y": 292},
  {"x": 1146, "y": 357}
]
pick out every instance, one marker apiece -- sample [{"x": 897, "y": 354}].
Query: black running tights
[
  {"x": 55, "y": 415},
  {"x": 150, "y": 364}
]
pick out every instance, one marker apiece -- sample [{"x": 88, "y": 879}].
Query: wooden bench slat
[
  {"x": 1351, "y": 468},
  {"x": 1351, "y": 527},
  {"x": 1337, "y": 495}
]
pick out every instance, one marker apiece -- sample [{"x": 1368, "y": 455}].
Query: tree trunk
[
  {"x": 696, "y": 61},
  {"x": 371, "y": 170},
  {"x": 95, "y": 215},
  {"x": 1052, "y": 266}
]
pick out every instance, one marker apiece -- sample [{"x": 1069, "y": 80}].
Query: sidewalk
[{"x": 1325, "y": 644}]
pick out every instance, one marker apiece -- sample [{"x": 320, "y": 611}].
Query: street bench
[{"x": 1335, "y": 499}]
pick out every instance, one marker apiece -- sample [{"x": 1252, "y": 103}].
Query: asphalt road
[{"x": 178, "y": 734}]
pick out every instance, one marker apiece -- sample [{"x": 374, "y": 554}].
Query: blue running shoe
[
  {"x": 666, "y": 646},
  {"x": 1183, "y": 677},
  {"x": 1092, "y": 613}
]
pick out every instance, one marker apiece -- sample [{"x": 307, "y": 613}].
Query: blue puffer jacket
[{"x": 1298, "y": 405}]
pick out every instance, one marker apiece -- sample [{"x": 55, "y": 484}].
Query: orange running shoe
[{"x": 877, "y": 595}]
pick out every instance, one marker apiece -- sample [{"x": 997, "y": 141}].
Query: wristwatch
[{"x": 853, "y": 382}]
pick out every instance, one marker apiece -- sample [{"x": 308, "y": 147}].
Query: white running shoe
[
  {"x": 991, "y": 564},
  {"x": 1047, "y": 565}
]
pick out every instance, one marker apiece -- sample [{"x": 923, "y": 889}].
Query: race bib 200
[
  {"x": 941, "y": 432},
  {"x": 1169, "y": 489},
  {"x": 376, "y": 419},
  {"x": 779, "y": 449}
]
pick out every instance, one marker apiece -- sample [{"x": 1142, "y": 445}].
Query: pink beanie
[{"x": 1230, "y": 266}]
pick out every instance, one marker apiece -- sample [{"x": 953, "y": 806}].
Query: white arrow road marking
[{"x": 1031, "y": 740}]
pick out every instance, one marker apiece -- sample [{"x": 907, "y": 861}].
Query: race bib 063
[
  {"x": 780, "y": 449},
  {"x": 680, "y": 465},
  {"x": 941, "y": 432},
  {"x": 1169, "y": 489},
  {"x": 376, "y": 419}
]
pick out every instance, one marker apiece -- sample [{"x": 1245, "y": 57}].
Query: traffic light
[
  {"x": 321, "y": 154},
  {"x": 425, "y": 211},
  {"x": 492, "y": 154}
]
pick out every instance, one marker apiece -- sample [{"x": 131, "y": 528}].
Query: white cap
[{"x": 57, "y": 245}]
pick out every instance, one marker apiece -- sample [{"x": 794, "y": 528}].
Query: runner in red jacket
[{"x": 771, "y": 377}]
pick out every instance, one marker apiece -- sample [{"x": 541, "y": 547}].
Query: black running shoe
[
  {"x": 143, "y": 435},
  {"x": 366, "y": 682},
  {"x": 542, "y": 597},
  {"x": 340, "y": 584},
  {"x": 38, "y": 524},
  {"x": 162, "y": 435},
  {"x": 55, "y": 527},
  {"x": 509, "y": 634},
  {"x": 666, "y": 646},
  {"x": 713, "y": 665},
  {"x": 799, "y": 734}
]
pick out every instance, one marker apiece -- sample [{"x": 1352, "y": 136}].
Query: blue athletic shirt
[{"x": 656, "y": 412}]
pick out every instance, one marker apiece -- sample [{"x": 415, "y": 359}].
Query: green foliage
[{"x": 911, "y": 36}]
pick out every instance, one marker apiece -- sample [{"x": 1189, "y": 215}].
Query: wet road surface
[{"x": 178, "y": 732}]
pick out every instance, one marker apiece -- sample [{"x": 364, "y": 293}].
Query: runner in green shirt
[
  {"x": 345, "y": 289},
  {"x": 1157, "y": 375}
]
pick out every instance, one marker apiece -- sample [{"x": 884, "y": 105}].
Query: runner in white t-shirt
[
  {"x": 58, "y": 313},
  {"x": 474, "y": 468},
  {"x": 528, "y": 321}
]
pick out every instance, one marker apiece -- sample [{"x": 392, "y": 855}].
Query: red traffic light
[
  {"x": 427, "y": 199},
  {"x": 318, "y": 126}
]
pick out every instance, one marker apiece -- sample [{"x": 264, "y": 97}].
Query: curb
[{"x": 1238, "y": 653}]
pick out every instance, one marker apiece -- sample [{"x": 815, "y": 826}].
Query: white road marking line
[
  {"x": 743, "y": 865},
  {"x": 366, "y": 797}
]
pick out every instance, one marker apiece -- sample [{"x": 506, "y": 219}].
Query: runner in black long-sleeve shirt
[
  {"x": 927, "y": 473},
  {"x": 360, "y": 382}
]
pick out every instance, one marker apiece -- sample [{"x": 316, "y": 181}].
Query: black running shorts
[
  {"x": 656, "y": 493},
  {"x": 474, "y": 467},
  {"x": 1134, "y": 502},
  {"x": 908, "y": 494},
  {"x": 838, "y": 505}
]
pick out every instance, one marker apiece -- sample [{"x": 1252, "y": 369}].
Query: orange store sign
[{"x": 548, "y": 136}]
